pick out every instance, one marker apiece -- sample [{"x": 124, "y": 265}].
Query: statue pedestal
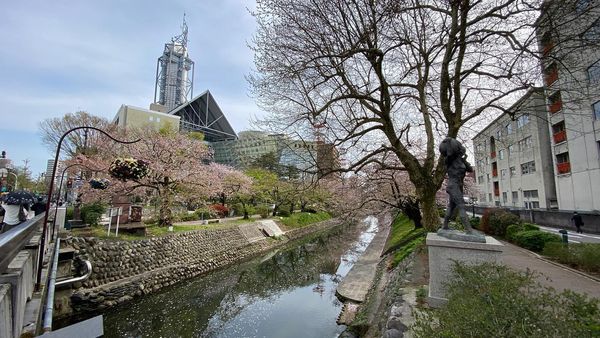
[{"x": 442, "y": 253}]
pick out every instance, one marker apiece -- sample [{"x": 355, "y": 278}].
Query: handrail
[
  {"x": 51, "y": 286},
  {"x": 12, "y": 241},
  {"x": 87, "y": 275}
]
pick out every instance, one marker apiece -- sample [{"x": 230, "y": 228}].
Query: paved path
[
  {"x": 358, "y": 281},
  {"x": 554, "y": 275},
  {"x": 574, "y": 237}
]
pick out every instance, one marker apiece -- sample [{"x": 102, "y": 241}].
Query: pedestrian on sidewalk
[
  {"x": 13, "y": 216},
  {"x": 577, "y": 221}
]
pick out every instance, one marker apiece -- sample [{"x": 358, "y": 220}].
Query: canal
[{"x": 285, "y": 293}]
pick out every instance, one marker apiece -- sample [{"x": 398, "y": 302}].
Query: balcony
[
  {"x": 547, "y": 48},
  {"x": 497, "y": 192},
  {"x": 564, "y": 168},
  {"x": 560, "y": 136},
  {"x": 493, "y": 154},
  {"x": 551, "y": 77},
  {"x": 495, "y": 172},
  {"x": 555, "y": 107}
]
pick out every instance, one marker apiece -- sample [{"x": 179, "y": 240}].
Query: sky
[{"x": 59, "y": 57}]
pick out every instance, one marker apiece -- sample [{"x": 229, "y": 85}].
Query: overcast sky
[{"x": 62, "y": 56}]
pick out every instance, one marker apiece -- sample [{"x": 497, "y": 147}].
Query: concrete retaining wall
[{"x": 123, "y": 270}]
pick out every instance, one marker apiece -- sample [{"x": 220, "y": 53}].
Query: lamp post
[{"x": 51, "y": 187}]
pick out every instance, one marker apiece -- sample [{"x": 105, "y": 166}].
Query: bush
[
  {"x": 69, "y": 214},
  {"x": 585, "y": 256},
  {"x": 186, "y": 217},
  {"x": 534, "y": 240},
  {"x": 284, "y": 212},
  {"x": 495, "y": 221},
  {"x": 92, "y": 213},
  {"x": 494, "y": 301},
  {"x": 205, "y": 213},
  {"x": 513, "y": 229},
  {"x": 475, "y": 222},
  {"x": 220, "y": 210},
  {"x": 263, "y": 211}
]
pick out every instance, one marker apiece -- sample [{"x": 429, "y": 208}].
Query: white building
[
  {"x": 569, "y": 41},
  {"x": 513, "y": 160}
]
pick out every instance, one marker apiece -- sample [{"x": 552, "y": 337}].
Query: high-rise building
[
  {"x": 513, "y": 160},
  {"x": 174, "y": 85},
  {"x": 568, "y": 33}
]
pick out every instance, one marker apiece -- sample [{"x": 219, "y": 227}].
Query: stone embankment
[{"x": 123, "y": 270}]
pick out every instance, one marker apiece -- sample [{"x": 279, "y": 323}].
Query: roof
[{"x": 203, "y": 114}]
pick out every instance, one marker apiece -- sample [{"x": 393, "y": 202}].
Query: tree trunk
[
  {"x": 275, "y": 210},
  {"x": 165, "y": 216},
  {"x": 431, "y": 218}
]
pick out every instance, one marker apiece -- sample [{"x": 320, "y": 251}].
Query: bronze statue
[{"x": 456, "y": 167}]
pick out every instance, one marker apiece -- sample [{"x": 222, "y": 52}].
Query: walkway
[
  {"x": 554, "y": 275},
  {"x": 358, "y": 281}
]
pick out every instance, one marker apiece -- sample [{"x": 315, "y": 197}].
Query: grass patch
[
  {"x": 302, "y": 219},
  {"x": 404, "y": 238},
  {"x": 584, "y": 256}
]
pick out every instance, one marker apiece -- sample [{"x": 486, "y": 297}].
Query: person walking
[
  {"x": 13, "y": 216},
  {"x": 577, "y": 221}
]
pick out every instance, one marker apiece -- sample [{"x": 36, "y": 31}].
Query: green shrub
[
  {"x": 284, "y": 212},
  {"x": 186, "y": 217},
  {"x": 251, "y": 210},
  {"x": 534, "y": 240},
  {"x": 150, "y": 220},
  {"x": 495, "y": 221},
  {"x": 585, "y": 256},
  {"x": 92, "y": 213},
  {"x": 494, "y": 301},
  {"x": 512, "y": 229},
  {"x": 263, "y": 211},
  {"x": 475, "y": 222},
  {"x": 205, "y": 213},
  {"x": 69, "y": 214}
]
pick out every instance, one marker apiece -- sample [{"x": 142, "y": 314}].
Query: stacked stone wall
[{"x": 123, "y": 270}]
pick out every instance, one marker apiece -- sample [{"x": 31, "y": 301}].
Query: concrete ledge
[
  {"x": 6, "y": 327},
  {"x": 443, "y": 252}
]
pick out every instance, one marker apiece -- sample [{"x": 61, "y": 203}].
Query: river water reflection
[{"x": 286, "y": 293}]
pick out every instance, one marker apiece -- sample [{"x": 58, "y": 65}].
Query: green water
[{"x": 286, "y": 293}]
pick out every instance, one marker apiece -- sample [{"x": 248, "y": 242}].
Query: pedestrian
[
  {"x": 39, "y": 206},
  {"x": 577, "y": 221},
  {"x": 14, "y": 214}
]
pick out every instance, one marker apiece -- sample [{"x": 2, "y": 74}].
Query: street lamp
[{"x": 51, "y": 187}]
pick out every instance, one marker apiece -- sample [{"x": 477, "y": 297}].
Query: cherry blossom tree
[{"x": 178, "y": 163}]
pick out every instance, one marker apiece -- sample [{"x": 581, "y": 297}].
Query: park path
[{"x": 554, "y": 275}]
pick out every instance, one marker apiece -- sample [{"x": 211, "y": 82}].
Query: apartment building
[
  {"x": 513, "y": 159},
  {"x": 568, "y": 34}
]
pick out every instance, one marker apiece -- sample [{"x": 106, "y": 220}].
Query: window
[
  {"x": 522, "y": 121},
  {"x": 592, "y": 34},
  {"x": 528, "y": 168},
  {"x": 515, "y": 196},
  {"x": 501, "y": 154},
  {"x": 555, "y": 103},
  {"x": 530, "y": 194},
  {"x": 488, "y": 177},
  {"x": 596, "y": 109},
  {"x": 499, "y": 134},
  {"x": 562, "y": 163},
  {"x": 508, "y": 128},
  {"x": 504, "y": 197},
  {"x": 503, "y": 173},
  {"x": 490, "y": 197},
  {"x": 480, "y": 147},
  {"x": 532, "y": 205},
  {"x": 525, "y": 143},
  {"x": 480, "y": 179},
  {"x": 594, "y": 72},
  {"x": 513, "y": 171},
  {"x": 151, "y": 118},
  {"x": 511, "y": 149}
]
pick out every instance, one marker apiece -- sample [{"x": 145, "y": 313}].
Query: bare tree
[
  {"x": 53, "y": 129},
  {"x": 392, "y": 77}
]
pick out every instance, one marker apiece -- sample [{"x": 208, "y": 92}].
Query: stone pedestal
[{"x": 442, "y": 254}]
